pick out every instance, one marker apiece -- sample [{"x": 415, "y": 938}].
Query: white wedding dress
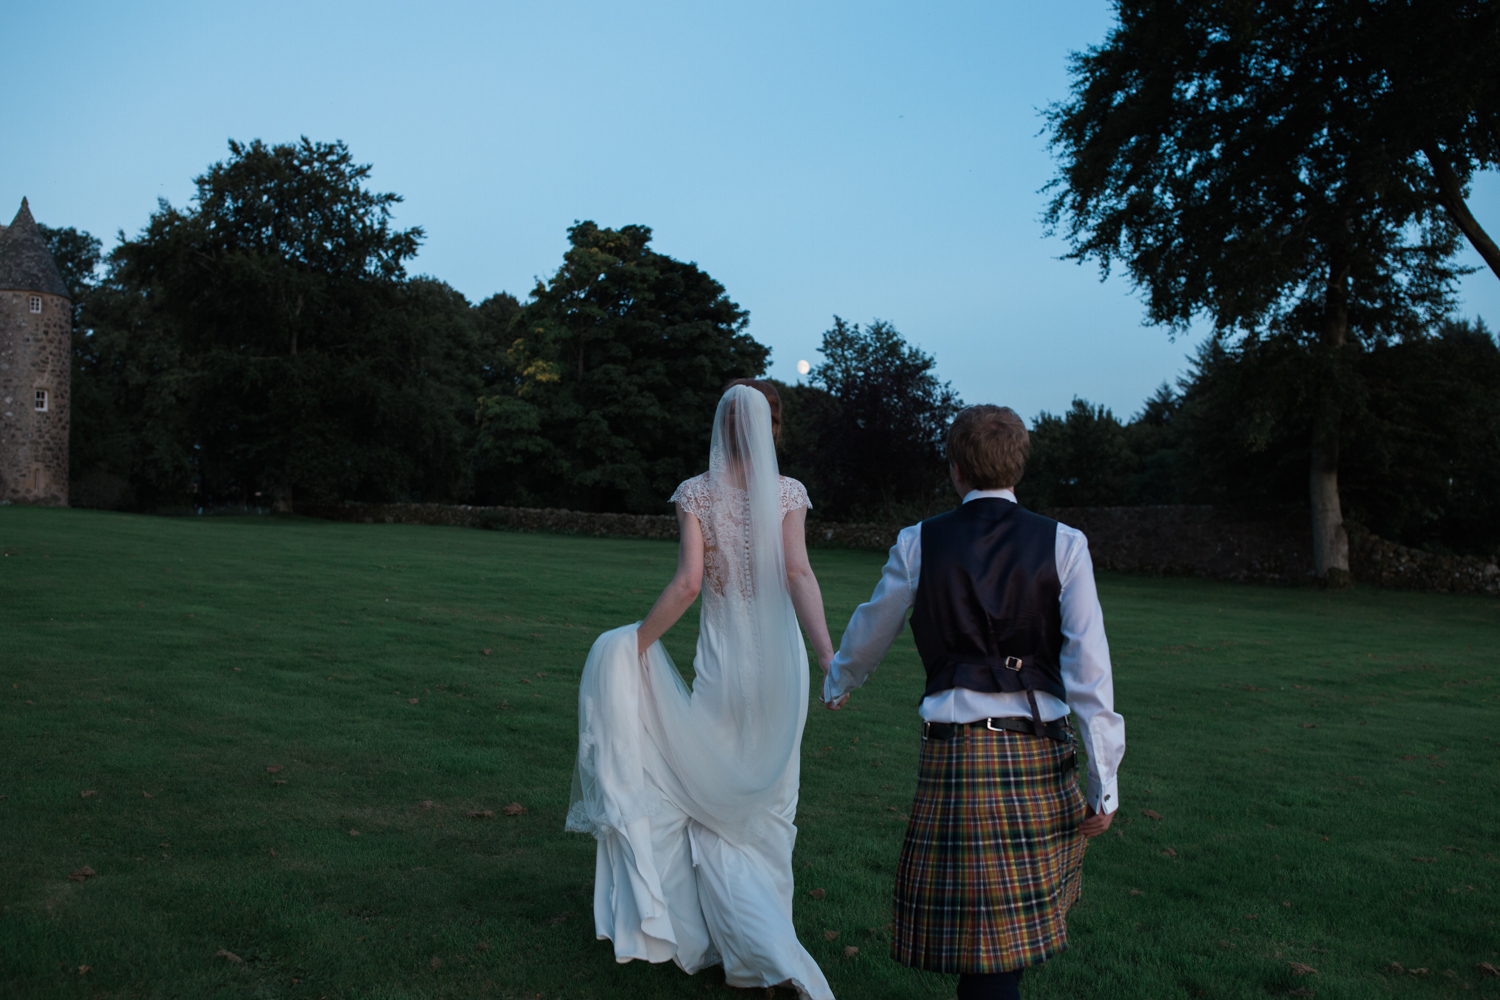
[{"x": 692, "y": 794}]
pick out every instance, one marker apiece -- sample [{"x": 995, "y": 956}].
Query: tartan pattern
[{"x": 993, "y": 858}]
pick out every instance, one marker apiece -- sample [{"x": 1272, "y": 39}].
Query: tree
[
  {"x": 1420, "y": 442},
  {"x": 1247, "y": 162},
  {"x": 133, "y": 401},
  {"x": 1424, "y": 451},
  {"x": 426, "y": 446},
  {"x": 1242, "y": 423},
  {"x": 602, "y": 391},
  {"x": 1155, "y": 437},
  {"x": 1087, "y": 457},
  {"x": 1421, "y": 448},
  {"x": 78, "y": 255},
  {"x": 1081, "y": 459},
  {"x": 869, "y": 432},
  {"x": 266, "y": 340},
  {"x": 494, "y": 323},
  {"x": 1437, "y": 85}
]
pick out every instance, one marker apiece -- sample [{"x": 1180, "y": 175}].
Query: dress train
[{"x": 667, "y": 886}]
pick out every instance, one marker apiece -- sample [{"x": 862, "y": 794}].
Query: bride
[{"x": 692, "y": 793}]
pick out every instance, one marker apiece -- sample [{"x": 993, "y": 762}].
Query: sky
[{"x": 870, "y": 160}]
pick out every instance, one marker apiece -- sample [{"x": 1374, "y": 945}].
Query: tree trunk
[
  {"x": 281, "y": 499},
  {"x": 1330, "y": 542},
  {"x": 1451, "y": 194}
]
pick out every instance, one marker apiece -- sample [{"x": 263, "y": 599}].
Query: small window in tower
[
  {"x": 36, "y": 303},
  {"x": 42, "y": 399}
]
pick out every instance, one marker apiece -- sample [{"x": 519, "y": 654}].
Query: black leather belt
[{"x": 1058, "y": 731}]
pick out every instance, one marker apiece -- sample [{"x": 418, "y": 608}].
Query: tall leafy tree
[
  {"x": 132, "y": 390},
  {"x": 1254, "y": 162},
  {"x": 1080, "y": 459},
  {"x": 603, "y": 386},
  {"x": 868, "y": 434},
  {"x": 1087, "y": 457},
  {"x": 1425, "y": 449},
  {"x": 1421, "y": 435},
  {"x": 266, "y": 340},
  {"x": 1420, "y": 439}
]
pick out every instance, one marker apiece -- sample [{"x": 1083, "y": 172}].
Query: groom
[{"x": 1007, "y": 623}]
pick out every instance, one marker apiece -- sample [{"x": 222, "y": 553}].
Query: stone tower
[{"x": 36, "y": 347}]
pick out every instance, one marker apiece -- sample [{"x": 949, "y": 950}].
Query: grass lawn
[{"x": 266, "y": 736}]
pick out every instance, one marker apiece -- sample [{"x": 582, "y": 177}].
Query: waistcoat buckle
[{"x": 1013, "y": 663}]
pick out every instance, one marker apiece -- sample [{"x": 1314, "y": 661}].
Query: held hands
[
  {"x": 1095, "y": 823},
  {"x": 825, "y": 660}
]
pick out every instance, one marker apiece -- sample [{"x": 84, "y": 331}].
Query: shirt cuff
[{"x": 1106, "y": 798}]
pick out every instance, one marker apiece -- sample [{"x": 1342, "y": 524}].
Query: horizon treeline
[
  {"x": 265, "y": 346},
  {"x": 1420, "y": 450}
]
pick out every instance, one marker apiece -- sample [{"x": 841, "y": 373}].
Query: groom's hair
[
  {"x": 989, "y": 444},
  {"x": 773, "y": 397}
]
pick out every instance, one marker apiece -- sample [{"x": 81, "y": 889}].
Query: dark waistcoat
[{"x": 987, "y": 614}]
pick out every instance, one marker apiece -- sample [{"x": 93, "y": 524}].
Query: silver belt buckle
[
  {"x": 925, "y": 726},
  {"x": 989, "y": 724},
  {"x": 1013, "y": 663}
]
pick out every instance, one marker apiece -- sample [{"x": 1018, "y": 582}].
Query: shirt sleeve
[
  {"x": 1086, "y": 669},
  {"x": 878, "y": 621}
]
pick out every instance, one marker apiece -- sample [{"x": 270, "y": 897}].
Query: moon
[{"x": 803, "y": 368}]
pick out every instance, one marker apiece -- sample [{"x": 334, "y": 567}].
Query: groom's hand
[
  {"x": 1094, "y": 823},
  {"x": 825, "y": 660}
]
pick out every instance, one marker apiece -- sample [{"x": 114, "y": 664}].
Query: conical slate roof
[{"x": 26, "y": 265}]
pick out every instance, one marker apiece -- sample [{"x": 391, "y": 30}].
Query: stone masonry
[
  {"x": 1223, "y": 543},
  {"x": 36, "y": 325}
]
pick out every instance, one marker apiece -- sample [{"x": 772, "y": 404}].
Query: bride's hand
[{"x": 837, "y": 703}]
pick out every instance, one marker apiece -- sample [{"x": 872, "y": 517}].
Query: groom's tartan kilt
[{"x": 993, "y": 857}]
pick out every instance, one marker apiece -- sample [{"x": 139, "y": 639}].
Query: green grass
[{"x": 180, "y": 658}]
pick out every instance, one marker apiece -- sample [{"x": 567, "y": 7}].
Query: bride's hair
[{"x": 773, "y": 397}]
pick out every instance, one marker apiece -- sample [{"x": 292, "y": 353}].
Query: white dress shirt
[{"x": 1086, "y": 671}]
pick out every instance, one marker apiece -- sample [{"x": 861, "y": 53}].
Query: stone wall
[
  {"x": 1224, "y": 543},
  {"x": 1260, "y": 546},
  {"x": 567, "y": 522},
  {"x": 35, "y": 351},
  {"x": 1386, "y": 564},
  {"x": 572, "y": 522},
  {"x": 1247, "y": 544}
]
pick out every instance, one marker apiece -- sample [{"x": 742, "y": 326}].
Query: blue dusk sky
[{"x": 874, "y": 160}]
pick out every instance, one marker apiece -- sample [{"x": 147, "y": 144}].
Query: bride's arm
[
  {"x": 806, "y": 597},
  {"x": 680, "y": 594}
]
